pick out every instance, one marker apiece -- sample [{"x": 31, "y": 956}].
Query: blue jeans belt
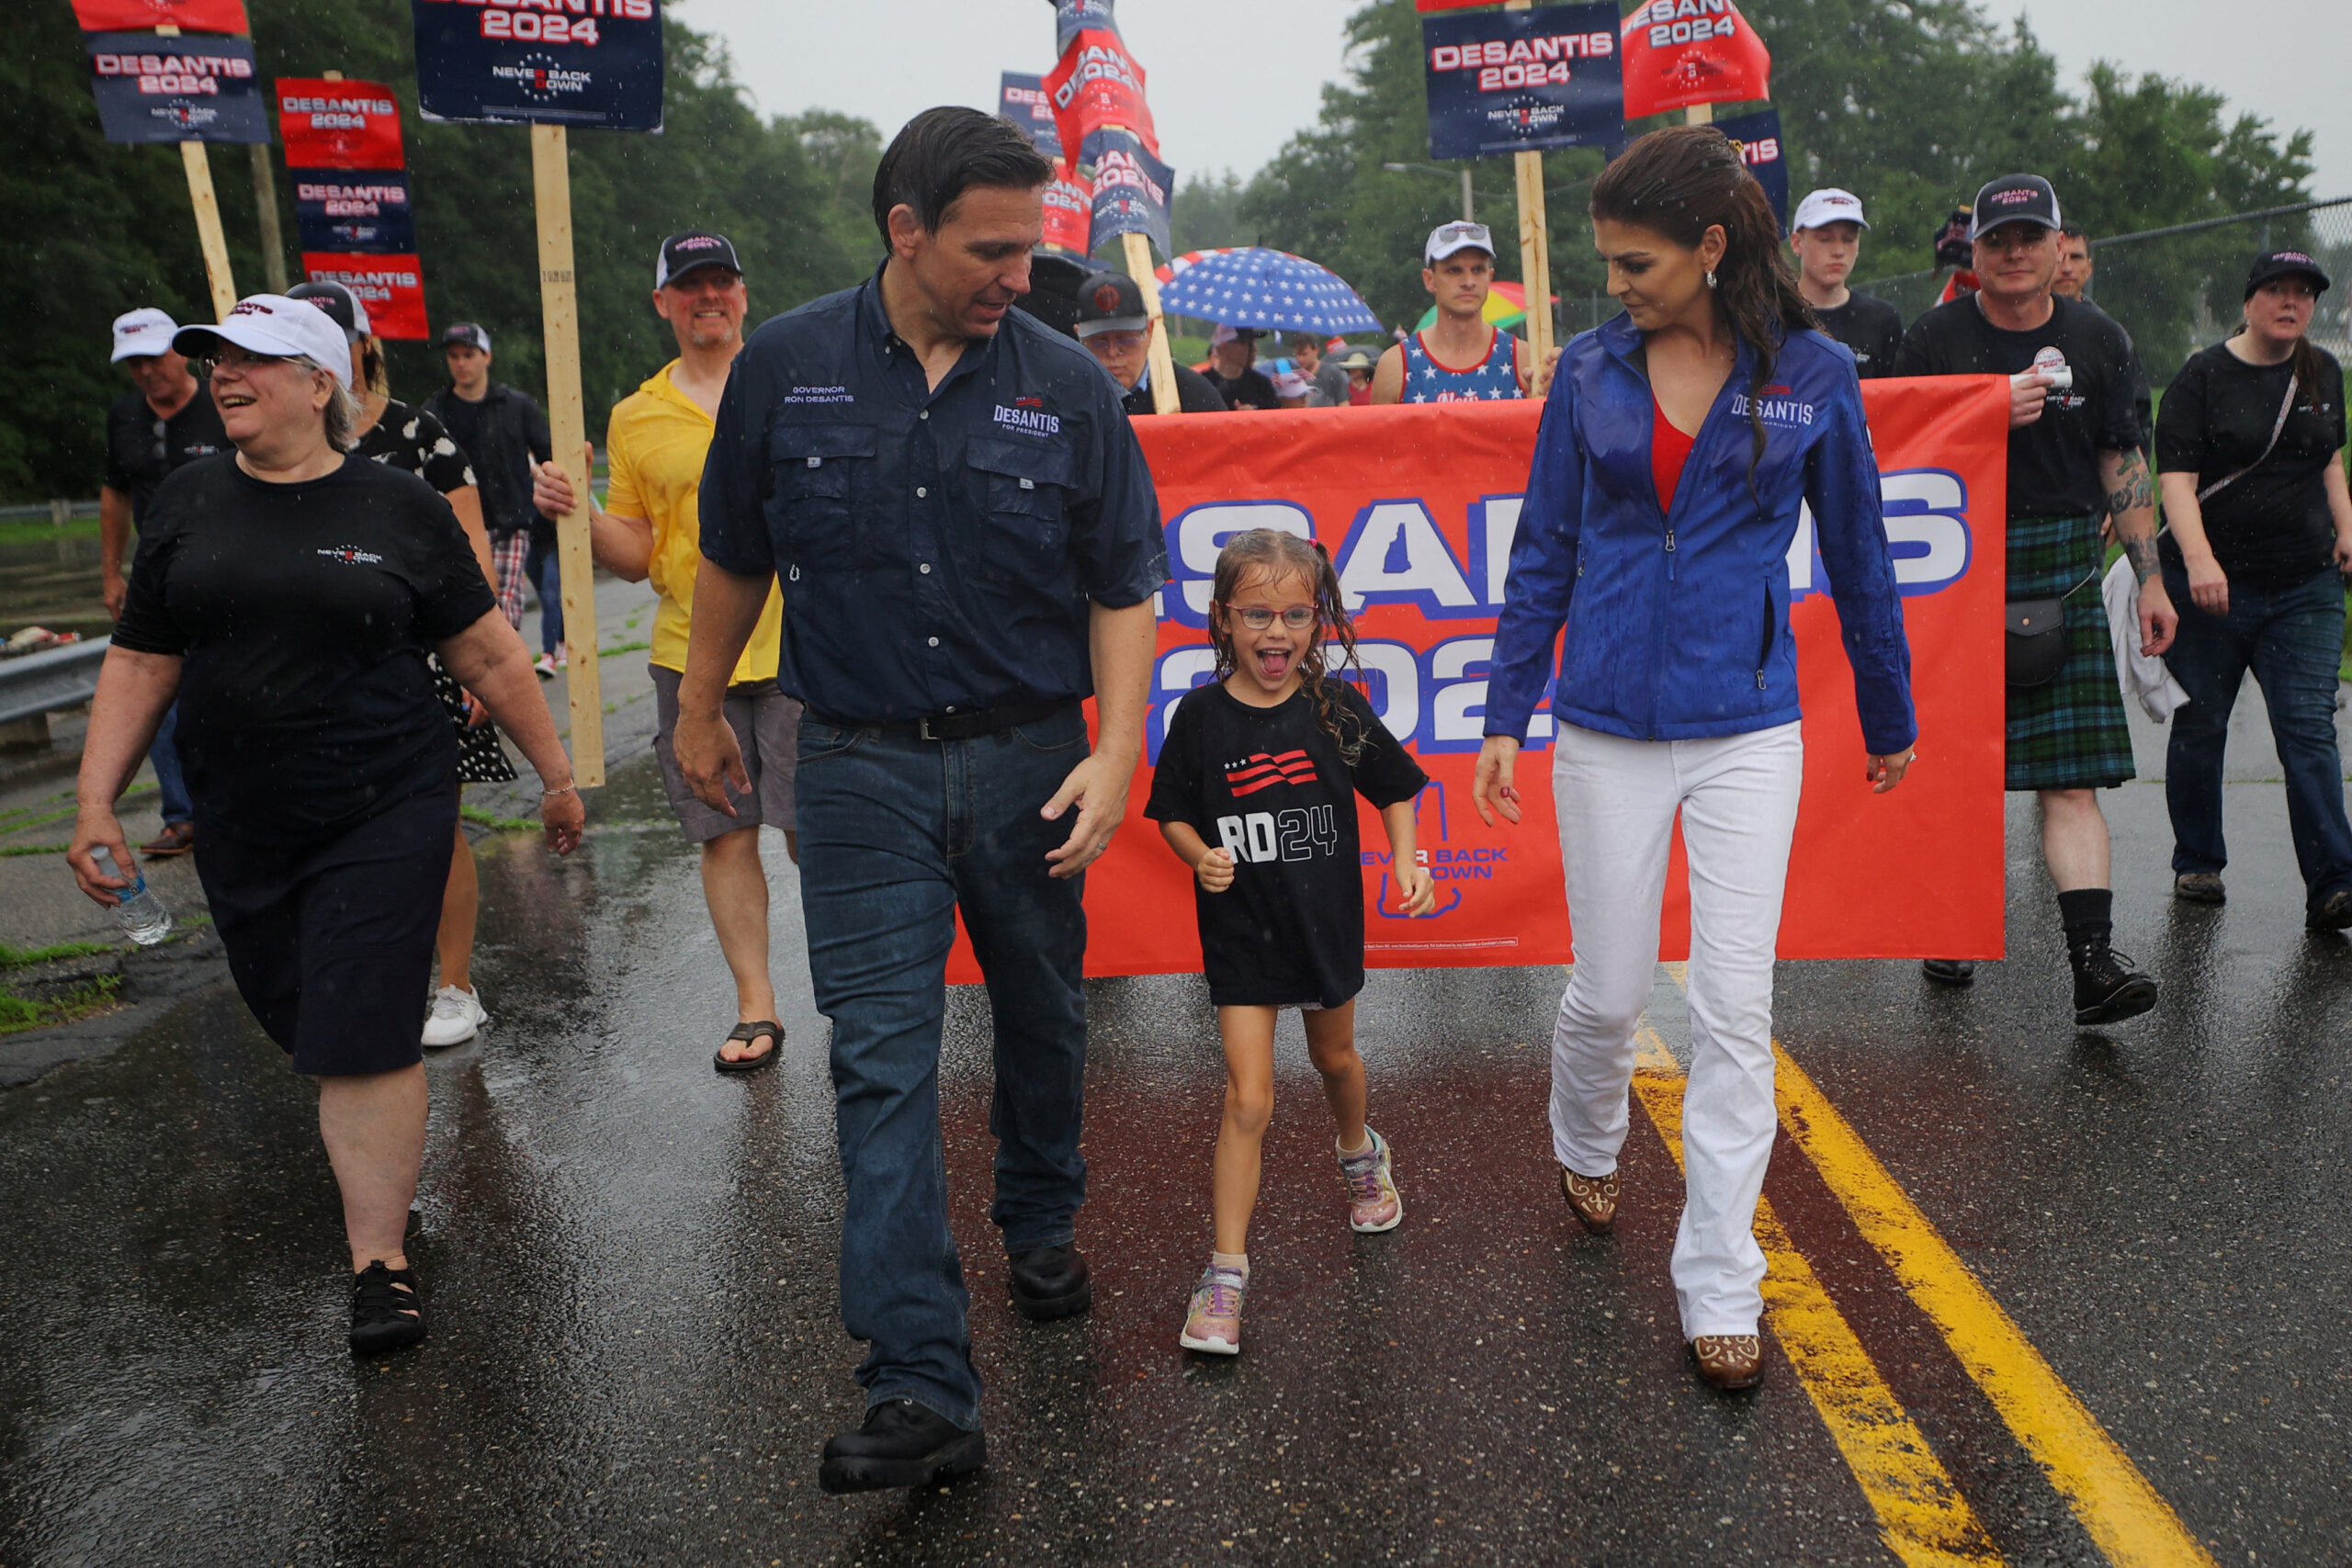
[{"x": 968, "y": 725}]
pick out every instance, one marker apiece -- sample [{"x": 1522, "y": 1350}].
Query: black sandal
[
  {"x": 748, "y": 1032},
  {"x": 386, "y": 1311}
]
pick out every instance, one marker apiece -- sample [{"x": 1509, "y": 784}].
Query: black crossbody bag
[{"x": 2036, "y": 644}]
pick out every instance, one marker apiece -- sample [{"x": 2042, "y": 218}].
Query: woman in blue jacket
[{"x": 1677, "y": 444}]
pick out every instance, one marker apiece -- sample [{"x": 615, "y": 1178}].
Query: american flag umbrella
[{"x": 1250, "y": 286}]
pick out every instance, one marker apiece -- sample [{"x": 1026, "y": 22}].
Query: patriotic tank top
[{"x": 1427, "y": 381}]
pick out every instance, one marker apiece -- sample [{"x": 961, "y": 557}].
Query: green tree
[{"x": 107, "y": 227}]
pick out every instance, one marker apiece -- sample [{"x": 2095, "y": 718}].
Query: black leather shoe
[
  {"x": 1050, "y": 1282},
  {"x": 1950, "y": 971},
  {"x": 899, "y": 1444},
  {"x": 2109, "y": 987},
  {"x": 2335, "y": 912}
]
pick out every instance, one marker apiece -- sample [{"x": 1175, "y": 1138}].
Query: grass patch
[
  {"x": 40, "y": 530},
  {"x": 496, "y": 823},
  {"x": 7, "y": 825},
  {"x": 18, "y": 957},
  {"x": 21, "y": 1013},
  {"x": 620, "y": 648},
  {"x": 10, "y": 852}
]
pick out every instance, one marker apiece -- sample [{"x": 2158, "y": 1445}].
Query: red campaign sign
[
  {"x": 1448, "y": 4},
  {"x": 1679, "y": 52},
  {"x": 145, "y": 15},
  {"x": 1069, "y": 213},
  {"x": 338, "y": 124},
  {"x": 1418, "y": 520},
  {"x": 392, "y": 288},
  {"x": 1097, "y": 84}
]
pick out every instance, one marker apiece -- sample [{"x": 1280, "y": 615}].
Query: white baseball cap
[
  {"x": 143, "y": 330},
  {"x": 1828, "y": 206},
  {"x": 271, "y": 323},
  {"x": 1459, "y": 235}
]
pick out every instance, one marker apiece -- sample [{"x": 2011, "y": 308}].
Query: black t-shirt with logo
[
  {"x": 1250, "y": 389},
  {"x": 302, "y": 615},
  {"x": 2272, "y": 528},
  {"x": 1271, "y": 786},
  {"x": 2053, "y": 462},
  {"x": 143, "y": 446},
  {"x": 1869, "y": 326}
]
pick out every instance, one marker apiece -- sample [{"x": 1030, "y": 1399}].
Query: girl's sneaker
[
  {"x": 1213, "y": 1324},
  {"x": 1373, "y": 1202}
]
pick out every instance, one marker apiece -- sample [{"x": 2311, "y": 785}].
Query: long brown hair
[
  {"x": 1269, "y": 555},
  {"x": 1681, "y": 182}
]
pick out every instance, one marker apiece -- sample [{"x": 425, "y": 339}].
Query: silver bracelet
[{"x": 567, "y": 789}]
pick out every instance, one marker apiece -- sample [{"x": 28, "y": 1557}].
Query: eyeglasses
[
  {"x": 1298, "y": 617},
  {"x": 243, "y": 361}
]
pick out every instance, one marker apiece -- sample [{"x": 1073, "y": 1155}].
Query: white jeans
[{"x": 1617, "y": 801}]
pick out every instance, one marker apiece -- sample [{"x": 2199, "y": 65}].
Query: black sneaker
[
  {"x": 1050, "y": 1282},
  {"x": 386, "y": 1312},
  {"x": 2335, "y": 912},
  {"x": 1950, "y": 971},
  {"x": 899, "y": 1444},
  {"x": 2109, "y": 987}
]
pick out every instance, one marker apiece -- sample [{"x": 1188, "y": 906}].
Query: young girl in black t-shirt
[{"x": 1267, "y": 762}]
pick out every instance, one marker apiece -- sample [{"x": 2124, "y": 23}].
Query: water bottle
[{"x": 144, "y": 918}]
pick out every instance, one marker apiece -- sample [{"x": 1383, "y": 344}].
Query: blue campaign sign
[
  {"x": 1522, "y": 80},
  {"x": 1023, "y": 100},
  {"x": 1758, "y": 137},
  {"x": 1131, "y": 189},
  {"x": 597, "y": 63},
  {"x": 196, "y": 88},
  {"x": 364, "y": 212}
]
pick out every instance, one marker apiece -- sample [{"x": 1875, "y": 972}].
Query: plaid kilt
[{"x": 2070, "y": 734}]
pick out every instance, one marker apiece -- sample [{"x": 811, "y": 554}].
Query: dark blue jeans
[
  {"x": 546, "y": 573},
  {"x": 2292, "y": 638},
  {"x": 171, "y": 781},
  {"x": 896, "y": 834}
]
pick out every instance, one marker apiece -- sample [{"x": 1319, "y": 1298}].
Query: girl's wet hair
[
  {"x": 1679, "y": 183},
  {"x": 1269, "y": 555}
]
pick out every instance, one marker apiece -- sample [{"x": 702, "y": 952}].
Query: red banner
[
  {"x": 1097, "y": 84},
  {"x": 392, "y": 288},
  {"x": 144, "y": 16},
  {"x": 1679, "y": 52},
  {"x": 1418, "y": 507},
  {"x": 1069, "y": 214},
  {"x": 338, "y": 124}
]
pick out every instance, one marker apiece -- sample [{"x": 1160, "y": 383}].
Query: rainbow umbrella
[{"x": 1506, "y": 307}]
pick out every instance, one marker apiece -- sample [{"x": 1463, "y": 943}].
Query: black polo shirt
[
  {"x": 937, "y": 549},
  {"x": 143, "y": 446}
]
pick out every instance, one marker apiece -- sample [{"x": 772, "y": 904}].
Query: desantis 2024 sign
[
  {"x": 1418, "y": 507},
  {"x": 595, "y": 62},
  {"x": 1522, "y": 80}
]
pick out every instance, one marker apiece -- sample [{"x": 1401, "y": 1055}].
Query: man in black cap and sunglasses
[
  {"x": 168, "y": 419},
  {"x": 1116, "y": 330},
  {"x": 2076, "y": 467}
]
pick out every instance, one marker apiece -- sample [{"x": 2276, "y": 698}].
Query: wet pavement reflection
[{"x": 631, "y": 1260}]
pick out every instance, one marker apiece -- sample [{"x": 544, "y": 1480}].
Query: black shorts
[{"x": 331, "y": 944}]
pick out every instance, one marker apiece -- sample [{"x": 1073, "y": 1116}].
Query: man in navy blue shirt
[{"x": 968, "y": 544}]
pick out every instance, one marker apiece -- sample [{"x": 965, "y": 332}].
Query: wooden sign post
[
  {"x": 208, "y": 235},
  {"x": 568, "y": 428},
  {"x": 1137, "y": 251},
  {"x": 1534, "y": 239}
]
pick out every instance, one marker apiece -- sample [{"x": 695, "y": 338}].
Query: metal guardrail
[
  {"x": 52, "y": 679},
  {"x": 58, "y": 512}
]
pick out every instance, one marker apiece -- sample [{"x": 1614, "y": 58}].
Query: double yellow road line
[{"x": 1923, "y": 1517}]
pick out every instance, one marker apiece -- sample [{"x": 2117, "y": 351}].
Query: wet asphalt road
[{"x": 635, "y": 1356}]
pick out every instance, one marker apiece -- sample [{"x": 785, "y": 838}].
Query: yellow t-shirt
[{"x": 657, "y": 440}]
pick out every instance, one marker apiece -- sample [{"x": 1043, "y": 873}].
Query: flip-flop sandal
[{"x": 747, "y": 1032}]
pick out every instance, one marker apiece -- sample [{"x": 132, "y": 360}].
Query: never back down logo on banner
[
  {"x": 1418, "y": 508},
  {"x": 595, "y": 62}
]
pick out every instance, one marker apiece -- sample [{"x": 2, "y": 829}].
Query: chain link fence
[{"x": 2176, "y": 289}]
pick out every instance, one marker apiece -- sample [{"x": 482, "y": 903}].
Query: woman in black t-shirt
[
  {"x": 288, "y": 596},
  {"x": 2248, "y": 446},
  {"x": 391, "y": 432}
]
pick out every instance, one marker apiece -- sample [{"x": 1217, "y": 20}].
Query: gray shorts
[{"x": 767, "y": 728}]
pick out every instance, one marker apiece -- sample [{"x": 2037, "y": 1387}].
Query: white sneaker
[
  {"x": 544, "y": 666},
  {"x": 456, "y": 1015}
]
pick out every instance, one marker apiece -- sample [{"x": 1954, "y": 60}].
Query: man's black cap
[
  {"x": 2284, "y": 263},
  {"x": 2011, "y": 198},
  {"x": 465, "y": 334},
  {"x": 342, "y": 306},
  {"x": 1110, "y": 302},
  {"x": 682, "y": 253}
]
